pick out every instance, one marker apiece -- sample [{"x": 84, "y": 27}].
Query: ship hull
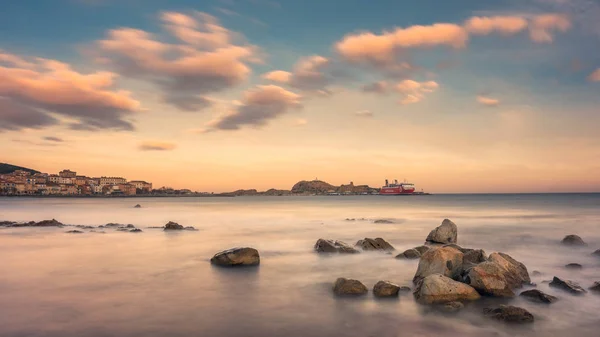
[{"x": 395, "y": 191}]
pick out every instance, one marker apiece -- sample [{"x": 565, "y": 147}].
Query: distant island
[{"x": 314, "y": 187}]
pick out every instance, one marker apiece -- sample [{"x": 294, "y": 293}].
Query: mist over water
[{"x": 158, "y": 283}]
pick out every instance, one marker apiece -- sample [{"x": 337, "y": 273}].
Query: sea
[{"x": 156, "y": 283}]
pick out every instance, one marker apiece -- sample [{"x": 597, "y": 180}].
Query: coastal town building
[
  {"x": 141, "y": 185},
  {"x": 112, "y": 181}
]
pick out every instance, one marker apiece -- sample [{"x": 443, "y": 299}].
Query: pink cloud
[
  {"x": 487, "y": 101},
  {"x": 595, "y": 76},
  {"x": 278, "y": 76},
  {"x": 310, "y": 74},
  {"x": 505, "y": 25},
  {"x": 542, "y": 27},
  {"x": 414, "y": 91}
]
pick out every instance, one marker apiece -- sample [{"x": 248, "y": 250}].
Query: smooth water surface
[{"x": 158, "y": 283}]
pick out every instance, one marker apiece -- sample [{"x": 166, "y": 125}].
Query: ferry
[{"x": 396, "y": 188}]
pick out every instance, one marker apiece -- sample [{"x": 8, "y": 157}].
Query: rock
[
  {"x": 409, "y": 254},
  {"x": 422, "y": 249},
  {"x": 137, "y": 206},
  {"x": 349, "y": 287},
  {"x": 173, "y": 226},
  {"x": 75, "y": 231},
  {"x": 443, "y": 260},
  {"x": 130, "y": 226},
  {"x": 135, "y": 230},
  {"x": 7, "y": 223},
  {"x": 573, "y": 240},
  {"x": 190, "y": 228},
  {"x": 383, "y": 221},
  {"x": 597, "y": 252},
  {"x": 439, "y": 289},
  {"x": 385, "y": 289},
  {"x": 241, "y": 256},
  {"x": 452, "y": 307},
  {"x": 488, "y": 279},
  {"x": 509, "y": 314},
  {"x": 568, "y": 286},
  {"x": 348, "y": 219},
  {"x": 113, "y": 225},
  {"x": 334, "y": 246},
  {"x": 538, "y": 296},
  {"x": 595, "y": 287},
  {"x": 48, "y": 223},
  {"x": 573, "y": 266},
  {"x": 122, "y": 229},
  {"x": 374, "y": 244},
  {"x": 447, "y": 232},
  {"x": 473, "y": 257},
  {"x": 515, "y": 272},
  {"x": 536, "y": 273}
]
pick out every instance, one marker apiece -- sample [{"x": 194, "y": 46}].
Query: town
[{"x": 67, "y": 182}]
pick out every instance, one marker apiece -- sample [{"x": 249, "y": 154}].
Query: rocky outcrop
[
  {"x": 349, "y": 287},
  {"x": 596, "y": 253},
  {"x": 573, "y": 266},
  {"x": 515, "y": 272},
  {"x": 130, "y": 226},
  {"x": 334, "y": 246},
  {"x": 313, "y": 187},
  {"x": 409, "y": 254},
  {"x": 488, "y": 279},
  {"x": 509, "y": 314},
  {"x": 241, "y": 256},
  {"x": 75, "y": 231},
  {"x": 422, "y": 249},
  {"x": 385, "y": 289},
  {"x": 137, "y": 206},
  {"x": 538, "y": 296},
  {"x": 473, "y": 257},
  {"x": 439, "y": 289},
  {"x": 135, "y": 230},
  {"x": 112, "y": 225},
  {"x": 595, "y": 287},
  {"x": 49, "y": 223},
  {"x": 567, "y": 285},
  {"x": 573, "y": 240},
  {"x": 446, "y": 261},
  {"x": 173, "y": 226},
  {"x": 447, "y": 232},
  {"x": 369, "y": 244},
  {"x": 382, "y": 221}
]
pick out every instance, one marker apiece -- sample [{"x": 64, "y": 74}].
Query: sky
[{"x": 216, "y": 95}]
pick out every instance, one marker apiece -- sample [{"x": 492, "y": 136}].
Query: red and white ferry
[{"x": 396, "y": 188}]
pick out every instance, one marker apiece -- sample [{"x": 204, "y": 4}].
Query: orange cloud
[
  {"x": 595, "y": 76},
  {"x": 257, "y": 107},
  {"x": 157, "y": 146},
  {"x": 50, "y": 86},
  {"x": 309, "y": 75},
  {"x": 505, "y": 25},
  {"x": 542, "y": 26},
  {"x": 414, "y": 91},
  {"x": 487, "y": 101},
  {"x": 278, "y": 76}
]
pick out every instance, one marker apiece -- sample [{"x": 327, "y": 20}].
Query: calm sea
[{"x": 162, "y": 284}]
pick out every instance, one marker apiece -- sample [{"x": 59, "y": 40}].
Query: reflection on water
[{"x": 162, "y": 284}]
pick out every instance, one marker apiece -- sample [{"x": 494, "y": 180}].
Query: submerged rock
[
  {"x": 509, "y": 314},
  {"x": 190, "y": 228},
  {"x": 488, "y": 279},
  {"x": 515, "y": 272},
  {"x": 567, "y": 285},
  {"x": 595, "y": 287},
  {"x": 122, "y": 229},
  {"x": 241, "y": 256},
  {"x": 573, "y": 240},
  {"x": 334, "y": 246},
  {"x": 130, "y": 226},
  {"x": 369, "y": 244},
  {"x": 447, "y": 232},
  {"x": 75, "y": 231},
  {"x": 349, "y": 287},
  {"x": 405, "y": 289},
  {"x": 409, "y": 254},
  {"x": 536, "y": 273},
  {"x": 7, "y": 223},
  {"x": 113, "y": 225},
  {"x": 173, "y": 226},
  {"x": 444, "y": 260},
  {"x": 385, "y": 289},
  {"x": 383, "y": 221},
  {"x": 47, "y": 223},
  {"x": 452, "y": 307},
  {"x": 135, "y": 230},
  {"x": 597, "y": 252},
  {"x": 573, "y": 266},
  {"x": 538, "y": 296},
  {"x": 439, "y": 289},
  {"x": 137, "y": 206}
]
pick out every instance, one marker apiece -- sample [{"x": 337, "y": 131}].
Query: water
[{"x": 162, "y": 284}]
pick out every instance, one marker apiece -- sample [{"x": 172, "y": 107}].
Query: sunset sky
[{"x": 217, "y": 95}]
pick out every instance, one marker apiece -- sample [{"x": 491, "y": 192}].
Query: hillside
[
  {"x": 315, "y": 186},
  {"x": 8, "y": 168}
]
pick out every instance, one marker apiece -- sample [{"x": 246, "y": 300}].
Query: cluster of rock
[
  {"x": 366, "y": 244},
  {"x": 350, "y": 287},
  {"x": 173, "y": 226}
]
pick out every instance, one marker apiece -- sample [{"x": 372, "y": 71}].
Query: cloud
[
  {"x": 205, "y": 60},
  {"x": 53, "y": 139},
  {"x": 257, "y": 107},
  {"x": 157, "y": 146},
  {"x": 364, "y": 113},
  {"x": 278, "y": 76},
  {"x": 542, "y": 26},
  {"x": 414, "y": 91},
  {"x": 312, "y": 75},
  {"x": 44, "y": 87},
  {"x": 595, "y": 76},
  {"x": 487, "y": 101},
  {"x": 380, "y": 87},
  {"x": 14, "y": 116},
  {"x": 505, "y": 25}
]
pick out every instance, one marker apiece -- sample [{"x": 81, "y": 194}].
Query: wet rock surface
[
  {"x": 439, "y": 289},
  {"x": 515, "y": 272},
  {"x": 568, "y": 286},
  {"x": 447, "y": 232},
  {"x": 509, "y": 314},
  {"x": 573, "y": 266},
  {"x": 369, "y": 244},
  {"x": 488, "y": 279},
  {"x": 443, "y": 260},
  {"x": 240, "y": 256},
  {"x": 385, "y": 289},
  {"x": 173, "y": 226},
  {"x": 349, "y": 287},
  {"x": 573, "y": 240},
  {"x": 334, "y": 246},
  {"x": 538, "y": 296}
]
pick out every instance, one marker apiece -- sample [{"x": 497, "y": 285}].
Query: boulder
[
  {"x": 538, "y": 296},
  {"x": 190, "y": 228},
  {"x": 173, "y": 226},
  {"x": 383, "y": 221},
  {"x": 422, "y": 249},
  {"x": 349, "y": 287},
  {"x": 536, "y": 273},
  {"x": 573, "y": 240},
  {"x": 385, "y": 289},
  {"x": 452, "y": 307},
  {"x": 130, "y": 226},
  {"x": 573, "y": 266},
  {"x": 135, "y": 230},
  {"x": 473, "y": 257},
  {"x": 137, "y": 206},
  {"x": 447, "y": 232},
  {"x": 113, "y": 225},
  {"x": 443, "y": 260},
  {"x": 334, "y": 246},
  {"x": 597, "y": 252},
  {"x": 509, "y": 314},
  {"x": 515, "y": 272},
  {"x": 595, "y": 287},
  {"x": 48, "y": 223},
  {"x": 241, "y": 256},
  {"x": 409, "y": 254},
  {"x": 374, "y": 244},
  {"x": 7, "y": 223},
  {"x": 439, "y": 289},
  {"x": 488, "y": 279},
  {"x": 75, "y": 231},
  {"x": 567, "y": 285}
]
